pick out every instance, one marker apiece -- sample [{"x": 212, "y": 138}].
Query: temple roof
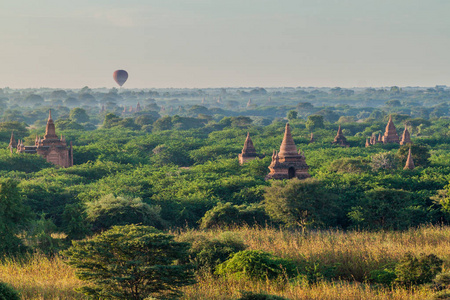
[
  {"x": 409, "y": 162},
  {"x": 406, "y": 137},
  {"x": 287, "y": 147},
  {"x": 248, "y": 146},
  {"x": 50, "y": 131},
  {"x": 390, "y": 127}
]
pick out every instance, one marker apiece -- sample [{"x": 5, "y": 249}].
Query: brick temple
[{"x": 52, "y": 148}]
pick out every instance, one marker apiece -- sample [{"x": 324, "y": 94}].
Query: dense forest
[{"x": 171, "y": 163}]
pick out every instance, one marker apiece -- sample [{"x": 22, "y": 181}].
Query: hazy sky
[{"x": 215, "y": 43}]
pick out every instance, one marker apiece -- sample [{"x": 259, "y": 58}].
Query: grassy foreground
[{"x": 354, "y": 253}]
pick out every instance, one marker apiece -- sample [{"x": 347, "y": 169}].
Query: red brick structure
[
  {"x": 340, "y": 139},
  {"x": 248, "y": 152},
  {"x": 406, "y": 137},
  {"x": 390, "y": 134},
  {"x": 409, "y": 162},
  {"x": 287, "y": 163},
  {"x": 52, "y": 148}
]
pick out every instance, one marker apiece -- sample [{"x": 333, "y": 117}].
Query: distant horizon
[{"x": 228, "y": 87}]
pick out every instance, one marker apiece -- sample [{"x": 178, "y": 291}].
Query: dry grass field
[{"x": 354, "y": 254}]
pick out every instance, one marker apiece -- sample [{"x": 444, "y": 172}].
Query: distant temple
[
  {"x": 406, "y": 137},
  {"x": 248, "y": 152},
  {"x": 390, "y": 134},
  {"x": 130, "y": 109},
  {"x": 287, "y": 163},
  {"x": 52, "y": 148},
  {"x": 409, "y": 162},
  {"x": 340, "y": 139}
]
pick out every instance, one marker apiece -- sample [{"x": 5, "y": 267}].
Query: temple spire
[
  {"x": 12, "y": 141},
  {"x": 248, "y": 152},
  {"x": 409, "y": 162},
  {"x": 406, "y": 137},
  {"x": 287, "y": 147},
  {"x": 340, "y": 139},
  {"x": 390, "y": 134},
  {"x": 50, "y": 131}
]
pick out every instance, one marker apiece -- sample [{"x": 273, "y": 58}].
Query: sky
[{"x": 224, "y": 43}]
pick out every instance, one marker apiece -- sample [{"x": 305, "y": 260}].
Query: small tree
[
  {"x": 314, "y": 122},
  {"x": 302, "y": 203},
  {"x": 110, "y": 210},
  {"x": 292, "y": 115},
  {"x": 14, "y": 215},
  {"x": 79, "y": 115},
  {"x": 131, "y": 262}
]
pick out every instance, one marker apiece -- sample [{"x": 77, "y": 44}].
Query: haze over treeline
[{"x": 200, "y": 43}]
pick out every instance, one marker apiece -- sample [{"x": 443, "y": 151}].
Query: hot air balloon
[{"x": 120, "y": 76}]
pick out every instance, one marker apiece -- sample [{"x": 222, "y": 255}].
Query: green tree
[
  {"x": 78, "y": 115},
  {"x": 110, "y": 210},
  {"x": 292, "y": 115},
  {"x": 383, "y": 208},
  {"x": 303, "y": 203},
  {"x": 131, "y": 262},
  {"x": 14, "y": 215},
  {"x": 314, "y": 122},
  {"x": 111, "y": 120}
]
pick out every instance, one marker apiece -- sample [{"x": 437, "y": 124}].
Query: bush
[
  {"x": 412, "y": 270},
  {"x": 207, "y": 254},
  {"x": 228, "y": 214},
  {"x": 7, "y": 292},
  {"x": 110, "y": 211},
  {"x": 258, "y": 296},
  {"x": 442, "y": 295},
  {"x": 385, "y": 276},
  {"x": 442, "y": 281},
  {"x": 255, "y": 264}
]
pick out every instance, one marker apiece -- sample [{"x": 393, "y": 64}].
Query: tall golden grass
[{"x": 355, "y": 254}]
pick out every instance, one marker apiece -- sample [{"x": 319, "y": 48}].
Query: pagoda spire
[
  {"x": 248, "y": 146},
  {"x": 406, "y": 137},
  {"x": 287, "y": 147},
  {"x": 248, "y": 152},
  {"x": 390, "y": 134},
  {"x": 409, "y": 162},
  {"x": 12, "y": 141},
  {"x": 340, "y": 139},
  {"x": 50, "y": 131}
]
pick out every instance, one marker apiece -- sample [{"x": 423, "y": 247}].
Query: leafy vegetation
[{"x": 172, "y": 164}]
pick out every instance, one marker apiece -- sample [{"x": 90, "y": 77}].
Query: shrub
[
  {"x": 258, "y": 296},
  {"x": 228, "y": 214},
  {"x": 442, "y": 281},
  {"x": 7, "y": 292},
  {"x": 385, "y": 276},
  {"x": 207, "y": 254},
  {"x": 412, "y": 270},
  {"x": 255, "y": 264},
  {"x": 110, "y": 211},
  {"x": 442, "y": 295}
]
